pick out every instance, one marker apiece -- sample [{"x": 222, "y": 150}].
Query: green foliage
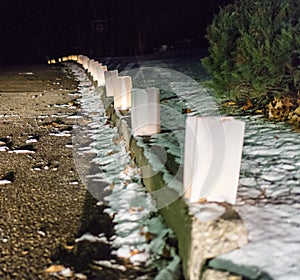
[{"x": 254, "y": 49}]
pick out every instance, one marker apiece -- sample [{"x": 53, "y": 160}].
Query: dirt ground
[{"x": 46, "y": 206}]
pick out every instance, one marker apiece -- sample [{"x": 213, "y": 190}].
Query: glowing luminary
[
  {"x": 92, "y": 68},
  {"x": 90, "y": 65},
  {"x": 99, "y": 74},
  {"x": 108, "y": 76},
  {"x": 85, "y": 62},
  {"x": 145, "y": 112},
  {"x": 212, "y": 158},
  {"x": 122, "y": 92},
  {"x": 73, "y": 57},
  {"x": 80, "y": 59}
]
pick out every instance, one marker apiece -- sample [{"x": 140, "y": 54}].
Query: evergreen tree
[{"x": 254, "y": 50}]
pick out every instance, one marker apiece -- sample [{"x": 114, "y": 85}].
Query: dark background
[{"x": 34, "y": 30}]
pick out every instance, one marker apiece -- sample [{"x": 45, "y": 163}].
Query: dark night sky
[{"x": 34, "y": 29}]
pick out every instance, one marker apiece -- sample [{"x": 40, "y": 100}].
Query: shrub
[{"x": 254, "y": 50}]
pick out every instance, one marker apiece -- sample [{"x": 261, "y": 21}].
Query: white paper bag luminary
[
  {"x": 145, "y": 112},
  {"x": 73, "y": 57},
  {"x": 109, "y": 76},
  {"x": 96, "y": 67},
  {"x": 83, "y": 59},
  {"x": 99, "y": 74},
  {"x": 79, "y": 59},
  {"x": 122, "y": 87},
  {"x": 90, "y": 65},
  {"x": 85, "y": 62},
  {"x": 212, "y": 158}
]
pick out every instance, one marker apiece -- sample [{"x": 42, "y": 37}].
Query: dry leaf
[
  {"x": 278, "y": 104},
  {"x": 202, "y": 200},
  {"x": 136, "y": 209},
  {"x": 87, "y": 119},
  {"x": 287, "y": 102},
  {"x": 134, "y": 252},
  {"x": 297, "y": 111},
  {"x": 229, "y": 103},
  {"x": 112, "y": 152},
  {"x": 69, "y": 247},
  {"x": 248, "y": 105},
  {"x": 186, "y": 110},
  {"x": 111, "y": 186},
  {"x": 149, "y": 236},
  {"x": 54, "y": 268}
]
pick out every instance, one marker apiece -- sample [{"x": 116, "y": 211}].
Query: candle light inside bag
[
  {"x": 80, "y": 59},
  {"x": 99, "y": 74},
  {"x": 90, "y": 68},
  {"x": 122, "y": 87},
  {"x": 109, "y": 76},
  {"x": 85, "y": 62},
  {"x": 145, "y": 114}
]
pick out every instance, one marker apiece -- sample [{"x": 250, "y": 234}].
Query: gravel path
[
  {"x": 41, "y": 209},
  {"x": 43, "y": 205}
]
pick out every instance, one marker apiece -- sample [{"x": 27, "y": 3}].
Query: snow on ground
[{"x": 269, "y": 200}]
